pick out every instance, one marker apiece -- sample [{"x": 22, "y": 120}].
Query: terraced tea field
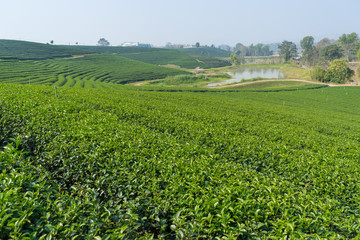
[
  {"x": 160, "y": 56},
  {"x": 132, "y": 164},
  {"x": 21, "y": 50},
  {"x": 92, "y": 71}
]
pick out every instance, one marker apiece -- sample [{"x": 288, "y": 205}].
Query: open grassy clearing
[{"x": 138, "y": 164}]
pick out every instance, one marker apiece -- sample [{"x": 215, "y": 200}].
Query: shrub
[
  {"x": 318, "y": 74},
  {"x": 339, "y": 72}
]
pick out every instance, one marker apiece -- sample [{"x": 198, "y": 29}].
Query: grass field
[{"x": 136, "y": 164}]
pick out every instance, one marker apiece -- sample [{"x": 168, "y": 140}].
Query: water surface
[{"x": 244, "y": 73}]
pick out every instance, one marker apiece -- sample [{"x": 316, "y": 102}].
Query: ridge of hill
[
  {"x": 162, "y": 56},
  {"x": 206, "y": 52},
  {"x": 94, "y": 71},
  {"x": 23, "y": 50}
]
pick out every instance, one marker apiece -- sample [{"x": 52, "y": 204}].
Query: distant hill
[
  {"x": 212, "y": 57},
  {"x": 161, "y": 56},
  {"x": 206, "y": 52},
  {"x": 22, "y": 50},
  {"x": 156, "y": 56}
]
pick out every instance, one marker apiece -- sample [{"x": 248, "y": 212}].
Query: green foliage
[
  {"x": 132, "y": 164},
  {"x": 319, "y": 74},
  {"x": 156, "y": 56},
  {"x": 307, "y": 43},
  {"x": 358, "y": 55},
  {"x": 205, "y": 52},
  {"x": 235, "y": 59},
  {"x": 21, "y": 50},
  {"x": 103, "y": 42},
  {"x": 287, "y": 50},
  {"x": 253, "y": 50},
  {"x": 331, "y": 52},
  {"x": 350, "y": 44},
  {"x": 278, "y": 85},
  {"x": 34, "y": 207},
  {"x": 186, "y": 80},
  {"x": 92, "y": 71},
  {"x": 186, "y": 58},
  {"x": 339, "y": 72},
  {"x": 310, "y": 52},
  {"x": 348, "y": 38}
]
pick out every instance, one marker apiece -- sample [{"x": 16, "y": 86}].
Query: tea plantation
[
  {"x": 90, "y": 71},
  {"x": 135, "y": 164},
  {"x": 161, "y": 56},
  {"x": 22, "y": 50}
]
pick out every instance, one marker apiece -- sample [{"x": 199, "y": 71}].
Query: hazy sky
[{"x": 176, "y": 21}]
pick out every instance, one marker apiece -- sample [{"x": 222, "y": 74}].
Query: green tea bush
[
  {"x": 96, "y": 70},
  {"x": 189, "y": 165},
  {"x": 35, "y": 207}
]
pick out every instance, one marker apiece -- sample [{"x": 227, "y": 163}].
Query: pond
[{"x": 241, "y": 74}]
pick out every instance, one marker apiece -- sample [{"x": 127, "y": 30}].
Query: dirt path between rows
[{"x": 79, "y": 56}]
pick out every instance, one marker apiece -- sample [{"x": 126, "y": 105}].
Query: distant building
[{"x": 135, "y": 44}]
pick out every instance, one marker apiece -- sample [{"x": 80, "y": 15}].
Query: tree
[
  {"x": 324, "y": 42},
  {"x": 103, "y": 42},
  {"x": 235, "y": 59},
  {"x": 349, "y": 44},
  {"x": 307, "y": 43},
  {"x": 358, "y": 55},
  {"x": 287, "y": 50},
  {"x": 197, "y": 44},
  {"x": 331, "y": 52},
  {"x": 339, "y": 72}
]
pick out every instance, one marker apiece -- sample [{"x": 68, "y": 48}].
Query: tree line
[{"x": 328, "y": 59}]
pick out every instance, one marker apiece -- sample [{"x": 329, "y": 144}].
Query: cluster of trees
[
  {"x": 252, "y": 50},
  {"x": 337, "y": 72},
  {"x": 328, "y": 50},
  {"x": 287, "y": 50},
  {"x": 241, "y": 51},
  {"x": 103, "y": 42},
  {"x": 330, "y": 58}
]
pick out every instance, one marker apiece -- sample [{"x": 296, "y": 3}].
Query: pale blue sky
[{"x": 176, "y": 21}]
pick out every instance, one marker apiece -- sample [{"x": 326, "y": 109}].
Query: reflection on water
[{"x": 248, "y": 73}]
